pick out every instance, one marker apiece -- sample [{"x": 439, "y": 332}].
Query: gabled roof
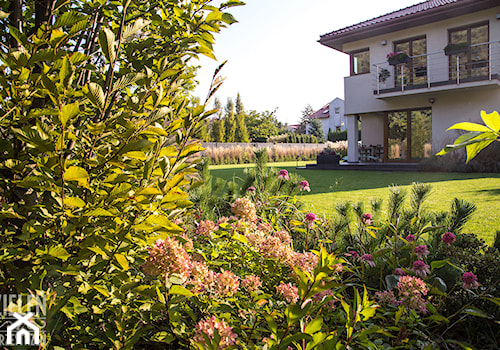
[
  {"x": 422, "y": 13},
  {"x": 322, "y": 113}
]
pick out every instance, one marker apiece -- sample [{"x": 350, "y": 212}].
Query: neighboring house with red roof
[
  {"x": 331, "y": 116},
  {"x": 407, "y": 104}
]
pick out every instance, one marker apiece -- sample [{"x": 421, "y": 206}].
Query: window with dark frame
[
  {"x": 360, "y": 62},
  {"x": 415, "y": 71},
  {"x": 474, "y": 61}
]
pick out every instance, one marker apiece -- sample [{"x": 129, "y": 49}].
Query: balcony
[{"x": 436, "y": 71}]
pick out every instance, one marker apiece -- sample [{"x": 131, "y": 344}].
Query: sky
[{"x": 274, "y": 59}]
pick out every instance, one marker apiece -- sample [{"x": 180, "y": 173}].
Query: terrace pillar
[{"x": 352, "y": 139}]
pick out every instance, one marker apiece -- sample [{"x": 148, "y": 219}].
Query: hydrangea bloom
[
  {"x": 304, "y": 186},
  {"x": 167, "y": 257},
  {"x": 386, "y": 297},
  {"x": 367, "y": 218},
  {"x": 284, "y": 236},
  {"x": 251, "y": 283},
  {"x": 310, "y": 218},
  {"x": 272, "y": 247},
  {"x": 421, "y": 251},
  {"x": 205, "y": 228},
  {"x": 208, "y": 327},
  {"x": 227, "y": 283},
  {"x": 421, "y": 268},
  {"x": 367, "y": 258},
  {"x": 411, "y": 291},
  {"x": 470, "y": 281},
  {"x": 283, "y": 175},
  {"x": 304, "y": 261},
  {"x": 244, "y": 208},
  {"x": 449, "y": 238},
  {"x": 288, "y": 291}
]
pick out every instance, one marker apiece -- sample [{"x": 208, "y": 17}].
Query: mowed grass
[{"x": 330, "y": 187}]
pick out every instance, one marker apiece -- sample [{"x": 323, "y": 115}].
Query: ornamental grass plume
[
  {"x": 469, "y": 281},
  {"x": 449, "y": 238},
  {"x": 420, "y": 268},
  {"x": 421, "y": 251},
  {"x": 288, "y": 291},
  {"x": 244, "y": 208},
  {"x": 208, "y": 326},
  {"x": 304, "y": 186},
  {"x": 168, "y": 257},
  {"x": 283, "y": 175}
]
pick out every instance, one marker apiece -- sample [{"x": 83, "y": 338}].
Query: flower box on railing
[
  {"x": 453, "y": 49},
  {"x": 395, "y": 58}
]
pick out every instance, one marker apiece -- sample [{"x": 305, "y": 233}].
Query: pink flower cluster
[
  {"x": 304, "y": 186},
  {"x": 283, "y": 175},
  {"x": 449, "y": 238},
  {"x": 367, "y": 218},
  {"x": 288, "y": 291},
  {"x": 168, "y": 257},
  {"x": 386, "y": 297},
  {"x": 411, "y": 292},
  {"x": 205, "y": 228},
  {"x": 310, "y": 218},
  {"x": 208, "y": 326},
  {"x": 421, "y": 251},
  {"x": 244, "y": 208},
  {"x": 469, "y": 281},
  {"x": 420, "y": 268},
  {"x": 251, "y": 283}
]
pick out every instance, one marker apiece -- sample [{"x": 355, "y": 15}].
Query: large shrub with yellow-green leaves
[{"x": 96, "y": 155}]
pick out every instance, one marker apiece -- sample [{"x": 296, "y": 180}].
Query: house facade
[
  {"x": 406, "y": 105},
  {"x": 331, "y": 116}
]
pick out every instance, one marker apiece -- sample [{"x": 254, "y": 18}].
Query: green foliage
[
  {"x": 97, "y": 158},
  {"x": 261, "y": 125},
  {"x": 478, "y": 137},
  {"x": 317, "y": 129}
]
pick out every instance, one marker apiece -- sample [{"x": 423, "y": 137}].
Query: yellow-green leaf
[
  {"x": 122, "y": 260},
  {"x": 492, "y": 120},
  {"x": 74, "y": 202},
  {"x": 98, "y": 212},
  {"x": 68, "y": 112},
  {"x": 467, "y": 126},
  {"x": 179, "y": 290},
  {"x": 75, "y": 173},
  {"x": 101, "y": 289}
]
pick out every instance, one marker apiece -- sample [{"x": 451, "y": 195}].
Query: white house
[
  {"x": 406, "y": 105},
  {"x": 331, "y": 116}
]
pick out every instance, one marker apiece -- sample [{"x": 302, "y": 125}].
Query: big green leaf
[{"x": 107, "y": 43}]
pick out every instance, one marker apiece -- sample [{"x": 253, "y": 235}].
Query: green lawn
[{"x": 329, "y": 187}]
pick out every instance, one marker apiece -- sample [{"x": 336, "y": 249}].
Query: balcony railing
[{"x": 480, "y": 62}]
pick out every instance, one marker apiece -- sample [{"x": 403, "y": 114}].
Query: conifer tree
[
  {"x": 229, "y": 121},
  {"x": 241, "y": 132}
]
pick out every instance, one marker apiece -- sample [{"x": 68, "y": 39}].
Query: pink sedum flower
[
  {"x": 288, "y": 291},
  {"x": 367, "y": 258},
  {"x": 421, "y": 268},
  {"x": 470, "y": 281},
  {"x": 421, "y": 251},
  {"x": 304, "y": 186},
  {"x": 283, "y": 175},
  {"x": 208, "y": 326},
  {"x": 449, "y": 238}
]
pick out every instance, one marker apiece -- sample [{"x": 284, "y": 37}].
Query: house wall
[
  {"x": 450, "y": 106},
  {"x": 359, "y": 97},
  {"x": 372, "y": 129}
]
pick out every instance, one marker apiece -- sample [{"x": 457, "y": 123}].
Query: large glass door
[
  {"x": 415, "y": 71},
  {"x": 409, "y": 135}
]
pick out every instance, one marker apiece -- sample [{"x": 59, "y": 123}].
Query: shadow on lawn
[{"x": 326, "y": 181}]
